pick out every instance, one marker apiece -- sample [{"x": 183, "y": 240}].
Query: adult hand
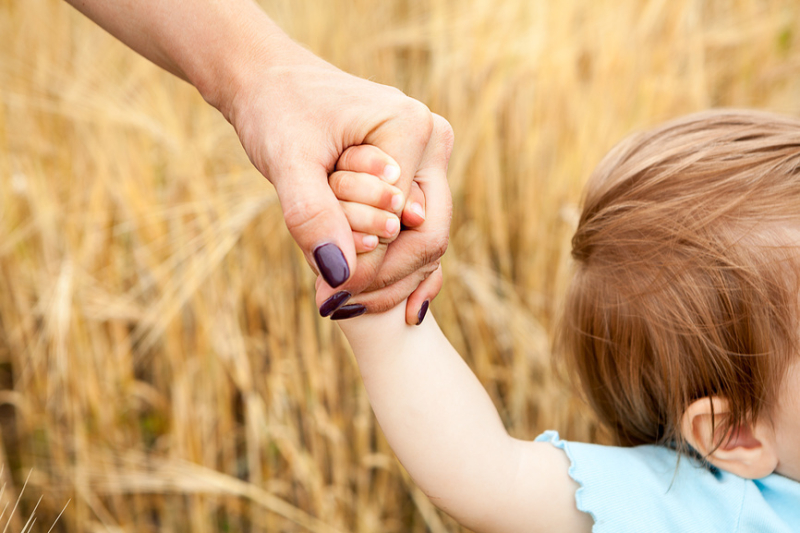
[
  {"x": 295, "y": 115},
  {"x": 411, "y": 267},
  {"x": 297, "y": 121}
]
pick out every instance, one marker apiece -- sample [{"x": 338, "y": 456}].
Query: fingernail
[
  {"x": 391, "y": 173},
  {"x": 333, "y": 303},
  {"x": 392, "y": 225},
  {"x": 370, "y": 242},
  {"x": 423, "y": 310},
  {"x": 348, "y": 311},
  {"x": 397, "y": 202},
  {"x": 417, "y": 208},
  {"x": 332, "y": 264}
]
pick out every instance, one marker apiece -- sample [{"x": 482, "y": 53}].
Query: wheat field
[{"x": 162, "y": 363}]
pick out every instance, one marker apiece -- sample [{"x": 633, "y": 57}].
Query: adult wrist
[{"x": 242, "y": 51}]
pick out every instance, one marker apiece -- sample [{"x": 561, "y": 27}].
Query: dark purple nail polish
[
  {"x": 423, "y": 310},
  {"x": 331, "y": 264},
  {"x": 333, "y": 303},
  {"x": 348, "y": 311}
]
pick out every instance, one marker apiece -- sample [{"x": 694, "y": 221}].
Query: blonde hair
[{"x": 686, "y": 274}]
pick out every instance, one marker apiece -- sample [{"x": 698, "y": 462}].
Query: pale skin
[
  {"x": 296, "y": 115},
  {"x": 445, "y": 430},
  {"x": 436, "y": 415},
  {"x": 757, "y": 450}
]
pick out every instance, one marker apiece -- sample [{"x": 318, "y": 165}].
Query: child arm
[
  {"x": 436, "y": 415},
  {"x": 446, "y": 432}
]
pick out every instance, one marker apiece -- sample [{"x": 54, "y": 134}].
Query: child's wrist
[{"x": 371, "y": 327}]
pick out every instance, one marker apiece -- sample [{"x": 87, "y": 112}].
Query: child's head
[{"x": 686, "y": 285}]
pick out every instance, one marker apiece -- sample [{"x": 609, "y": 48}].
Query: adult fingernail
[
  {"x": 417, "y": 208},
  {"x": 349, "y": 311},
  {"x": 423, "y": 310},
  {"x": 391, "y": 173},
  {"x": 331, "y": 264},
  {"x": 333, "y": 303}
]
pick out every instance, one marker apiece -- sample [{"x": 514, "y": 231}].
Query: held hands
[
  {"x": 296, "y": 118},
  {"x": 369, "y": 202},
  {"x": 295, "y": 115}
]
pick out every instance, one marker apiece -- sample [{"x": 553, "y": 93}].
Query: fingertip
[
  {"x": 370, "y": 159},
  {"x": 397, "y": 201},
  {"x": 346, "y": 312},
  {"x": 332, "y": 264},
  {"x": 365, "y": 243},
  {"x": 423, "y": 310},
  {"x": 417, "y": 209},
  {"x": 370, "y": 242},
  {"x": 333, "y": 303},
  {"x": 419, "y": 301},
  {"x": 413, "y": 214},
  {"x": 392, "y": 226}
]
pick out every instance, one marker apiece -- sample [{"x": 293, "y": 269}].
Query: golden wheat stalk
[{"x": 153, "y": 305}]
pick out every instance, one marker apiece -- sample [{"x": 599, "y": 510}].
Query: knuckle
[
  {"x": 420, "y": 120},
  {"x": 446, "y": 134},
  {"x": 335, "y": 182},
  {"x": 387, "y": 303},
  {"x": 390, "y": 296},
  {"x": 347, "y": 183},
  {"x": 345, "y": 160},
  {"x": 436, "y": 249},
  {"x": 378, "y": 221},
  {"x": 343, "y": 184},
  {"x": 428, "y": 270},
  {"x": 303, "y": 214},
  {"x": 383, "y": 198}
]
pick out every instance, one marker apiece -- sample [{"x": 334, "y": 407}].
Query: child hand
[
  {"x": 363, "y": 183},
  {"x": 367, "y": 195}
]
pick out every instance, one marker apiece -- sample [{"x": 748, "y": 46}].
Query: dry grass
[{"x": 161, "y": 360}]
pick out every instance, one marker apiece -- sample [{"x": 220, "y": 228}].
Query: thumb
[{"x": 317, "y": 223}]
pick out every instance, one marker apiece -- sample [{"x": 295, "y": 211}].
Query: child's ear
[{"x": 748, "y": 451}]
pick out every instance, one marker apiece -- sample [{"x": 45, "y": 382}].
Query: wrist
[
  {"x": 243, "y": 58},
  {"x": 384, "y": 330},
  {"x": 244, "y": 44}
]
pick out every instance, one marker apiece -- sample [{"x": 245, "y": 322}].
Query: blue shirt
[{"x": 647, "y": 489}]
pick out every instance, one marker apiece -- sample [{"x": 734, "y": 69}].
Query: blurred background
[{"x": 162, "y": 363}]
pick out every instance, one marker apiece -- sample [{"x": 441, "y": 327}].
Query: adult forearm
[
  {"x": 435, "y": 413},
  {"x": 295, "y": 114},
  {"x": 208, "y": 43}
]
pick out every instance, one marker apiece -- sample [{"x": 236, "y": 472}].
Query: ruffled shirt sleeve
[{"x": 648, "y": 489}]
